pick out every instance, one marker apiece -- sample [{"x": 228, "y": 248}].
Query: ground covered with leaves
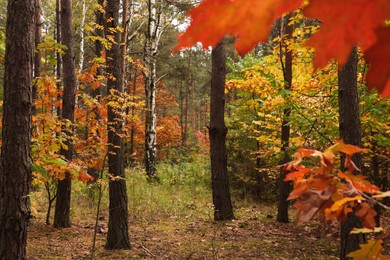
[{"x": 253, "y": 235}]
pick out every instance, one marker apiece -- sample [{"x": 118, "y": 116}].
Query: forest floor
[{"x": 193, "y": 235}]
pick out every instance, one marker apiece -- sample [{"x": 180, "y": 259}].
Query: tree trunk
[
  {"x": 349, "y": 127},
  {"x": 284, "y": 187},
  {"x": 81, "y": 57},
  {"x": 118, "y": 236},
  {"x": 62, "y": 210},
  {"x": 58, "y": 54},
  {"x": 15, "y": 167},
  {"x": 223, "y": 209},
  {"x": 38, "y": 55},
  {"x": 150, "y": 52}
]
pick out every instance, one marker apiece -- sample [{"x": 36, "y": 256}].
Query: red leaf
[
  {"x": 378, "y": 76},
  {"x": 250, "y": 20},
  {"x": 344, "y": 24}
]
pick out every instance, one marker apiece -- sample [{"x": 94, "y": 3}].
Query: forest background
[{"x": 256, "y": 103}]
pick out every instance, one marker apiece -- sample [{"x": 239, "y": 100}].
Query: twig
[
  {"x": 146, "y": 250},
  {"x": 374, "y": 200}
]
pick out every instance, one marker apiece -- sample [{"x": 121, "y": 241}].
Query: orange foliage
[
  {"x": 344, "y": 24},
  {"x": 321, "y": 190}
]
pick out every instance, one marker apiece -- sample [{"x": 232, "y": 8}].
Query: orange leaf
[
  {"x": 339, "y": 210},
  {"x": 359, "y": 183},
  {"x": 299, "y": 188},
  {"x": 85, "y": 177},
  {"x": 348, "y": 149},
  {"x": 250, "y": 20},
  {"x": 344, "y": 24},
  {"x": 367, "y": 214},
  {"x": 297, "y": 175},
  {"x": 378, "y": 76}
]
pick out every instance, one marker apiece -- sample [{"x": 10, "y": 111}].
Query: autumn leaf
[
  {"x": 300, "y": 173},
  {"x": 382, "y": 195},
  {"x": 339, "y": 209},
  {"x": 344, "y": 24},
  {"x": 378, "y": 75},
  {"x": 367, "y": 215},
  {"x": 359, "y": 183},
  {"x": 310, "y": 202},
  {"x": 85, "y": 177},
  {"x": 371, "y": 250},
  {"x": 249, "y": 20}
]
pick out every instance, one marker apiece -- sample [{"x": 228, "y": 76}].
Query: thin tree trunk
[
  {"x": 118, "y": 236},
  {"x": 38, "y": 53},
  {"x": 223, "y": 209},
  {"x": 349, "y": 127},
  {"x": 150, "y": 52},
  {"x": 58, "y": 54},
  {"x": 83, "y": 15},
  {"x": 286, "y": 35},
  {"x": 62, "y": 210},
  {"x": 15, "y": 165}
]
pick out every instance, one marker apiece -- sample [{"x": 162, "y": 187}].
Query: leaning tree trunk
[
  {"x": 15, "y": 165},
  {"x": 150, "y": 52},
  {"x": 286, "y": 35},
  {"x": 349, "y": 127},
  {"x": 62, "y": 210},
  {"x": 118, "y": 236},
  {"x": 223, "y": 209}
]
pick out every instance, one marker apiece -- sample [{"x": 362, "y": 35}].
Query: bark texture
[
  {"x": 118, "y": 236},
  {"x": 153, "y": 35},
  {"x": 284, "y": 187},
  {"x": 15, "y": 167},
  {"x": 62, "y": 210},
  {"x": 223, "y": 209},
  {"x": 349, "y": 127}
]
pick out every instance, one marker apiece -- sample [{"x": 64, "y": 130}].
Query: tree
[
  {"x": 118, "y": 236},
  {"x": 15, "y": 167},
  {"x": 349, "y": 127},
  {"x": 223, "y": 209},
  {"x": 37, "y": 56},
  {"x": 285, "y": 35},
  {"x": 153, "y": 36},
  {"x": 62, "y": 210}
]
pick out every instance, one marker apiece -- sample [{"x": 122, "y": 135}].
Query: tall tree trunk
[
  {"x": 62, "y": 210},
  {"x": 58, "y": 54},
  {"x": 118, "y": 236},
  {"x": 15, "y": 167},
  {"x": 153, "y": 35},
  {"x": 123, "y": 47},
  {"x": 223, "y": 209},
  {"x": 83, "y": 15},
  {"x": 286, "y": 35},
  {"x": 349, "y": 127},
  {"x": 38, "y": 54}
]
